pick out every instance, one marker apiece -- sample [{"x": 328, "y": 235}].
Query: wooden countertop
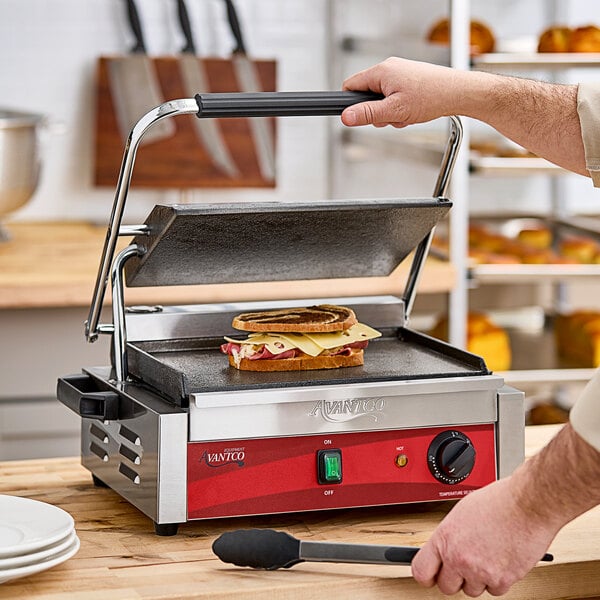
[
  {"x": 120, "y": 557},
  {"x": 55, "y": 265}
]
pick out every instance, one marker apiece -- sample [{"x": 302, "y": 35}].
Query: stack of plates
[{"x": 34, "y": 536}]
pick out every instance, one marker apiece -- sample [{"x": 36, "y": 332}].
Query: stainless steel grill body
[
  {"x": 171, "y": 427},
  {"x": 144, "y": 457}
]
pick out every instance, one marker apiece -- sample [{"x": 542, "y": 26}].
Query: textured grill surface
[
  {"x": 179, "y": 368},
  {"x": 195, "y": 244}
]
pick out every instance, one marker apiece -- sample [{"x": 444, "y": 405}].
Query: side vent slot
[
  {"x": 130, "y": 435},
  {"x": 99, "y": 443},
  {"x": 127, "y": 452},
  {"x": 99, "y": 452},
  {"x": 129, "y": 473},
  {"x": 99, "y": 434}
]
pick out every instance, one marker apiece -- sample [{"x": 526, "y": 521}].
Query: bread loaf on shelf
[
  {"x": 534, "y": 245},
  {"x": 555, "y": 39},
  {"x": 482, "y": 38},
  {"x": 484, "y": 338},
  {"x": 536, "y": 237},
  {"x": 585, "y": 39},
  {"x": 578, "y": 337},
  {"x": 559, "y": 38},
  {"x": 581, "y": 249},
  {"x": 481, "y": 257},
  {"x": 530, "y": 246}
]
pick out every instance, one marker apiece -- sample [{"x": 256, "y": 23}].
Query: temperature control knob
[{"x": 451, "y": 457}]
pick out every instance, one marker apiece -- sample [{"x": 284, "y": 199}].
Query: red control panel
[{"x": 339, "y": 470}]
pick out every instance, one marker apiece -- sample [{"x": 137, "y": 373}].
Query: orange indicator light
[{"x": 401, "y": 460}]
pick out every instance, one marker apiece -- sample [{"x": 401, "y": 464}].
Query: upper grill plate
[{"x": 228, "y": 243}]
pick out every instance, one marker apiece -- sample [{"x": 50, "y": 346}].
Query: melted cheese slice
[
  {"x": 310, "y": 343},
  {"x": 356, "y": 333}
]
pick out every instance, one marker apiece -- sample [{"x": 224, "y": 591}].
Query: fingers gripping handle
[{"x": 278, "y": 104}]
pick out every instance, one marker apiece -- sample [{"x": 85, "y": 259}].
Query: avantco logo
[
  {"x": 228, "y": 456},
  {"x": 340, "y": 411}
]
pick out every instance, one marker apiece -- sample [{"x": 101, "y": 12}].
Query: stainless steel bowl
[{"x": 20, "y": 161}]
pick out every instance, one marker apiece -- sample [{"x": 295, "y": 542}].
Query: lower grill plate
[{"x": 178, "y": 368}]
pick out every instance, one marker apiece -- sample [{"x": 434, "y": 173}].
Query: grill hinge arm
[
  {"x": 439, "y": 191},
  {"x": 118, "y": 310},
  {"x": 168, "y": 109}
]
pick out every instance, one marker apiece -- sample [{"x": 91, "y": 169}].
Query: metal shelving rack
[
  {"x": 426, "y": 149},
  {"x": 535, "y": 355}
]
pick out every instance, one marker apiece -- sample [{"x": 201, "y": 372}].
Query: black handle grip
[
  {"x": 258, "y": 548},
  {"x": 278, "y": 104},
  {"x": 547, "y": 557},
  {"x": 136, "y": 27},
  {"x": 82, "y": 396},
  {"x": 186, "y": 28},
  {"x": 236, "y": 30},
  {"x": 400, "y": 554}
]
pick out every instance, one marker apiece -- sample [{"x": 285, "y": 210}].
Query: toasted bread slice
[
  {"x": 322, "y": 318},
  {"x": 300, "y": 363}
]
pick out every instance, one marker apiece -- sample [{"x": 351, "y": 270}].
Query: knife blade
[
  {"x": 196, "y": 82},
  {"x": 134, "y": 85},
  {"x": 249, "y": 81}
]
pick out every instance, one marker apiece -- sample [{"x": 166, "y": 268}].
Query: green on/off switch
[{"x": 329, "y": 466}]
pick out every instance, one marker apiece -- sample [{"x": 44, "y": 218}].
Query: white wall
[{"x": 49, "y": 50}]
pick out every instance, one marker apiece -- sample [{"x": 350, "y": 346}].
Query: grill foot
[
  {"x": 166, "y": 529},
  {"x": 98, "y": 482}
]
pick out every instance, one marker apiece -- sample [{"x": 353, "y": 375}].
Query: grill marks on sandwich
[
  {"x": 301, "y": 315},
  {"x": 324, "y": 317}
]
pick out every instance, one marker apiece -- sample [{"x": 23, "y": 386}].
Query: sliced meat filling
[{"x": 260, "y": 352}]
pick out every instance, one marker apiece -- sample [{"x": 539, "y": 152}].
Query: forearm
[
  {"x": 561, "y": 482},
  {"x": 542, "y": 117}
]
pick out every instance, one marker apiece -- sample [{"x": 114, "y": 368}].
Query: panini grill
[{"x": 181, "y": 435}]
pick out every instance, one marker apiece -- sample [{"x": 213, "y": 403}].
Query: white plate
[
  {"x": 13, "y": 562},
  {"x": 42, "y": 565},
  {"x": 28, "y": 525}
]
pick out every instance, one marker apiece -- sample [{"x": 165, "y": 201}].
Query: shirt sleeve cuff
[
  {"x": 585, "y": 414},
  {"x": 588, "y": 109}
]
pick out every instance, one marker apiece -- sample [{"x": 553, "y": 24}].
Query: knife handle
[
  {"x": 236, "y": 30},
  {"x": 278, "y": 104},
  {"x": 136, "y": 27},
  {"x": 186, "y": 28}
]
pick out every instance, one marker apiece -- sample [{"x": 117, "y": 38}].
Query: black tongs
[{"x": 269, "y": 549}]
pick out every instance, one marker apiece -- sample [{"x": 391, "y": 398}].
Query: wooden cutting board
[{"x": 180, "y": 161}]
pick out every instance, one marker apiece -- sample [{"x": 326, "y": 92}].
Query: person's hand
[
  {"x": 486, "y": 543},
  {"x": 541, "y": 117},
  {"x": 415, "y": 92}
]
